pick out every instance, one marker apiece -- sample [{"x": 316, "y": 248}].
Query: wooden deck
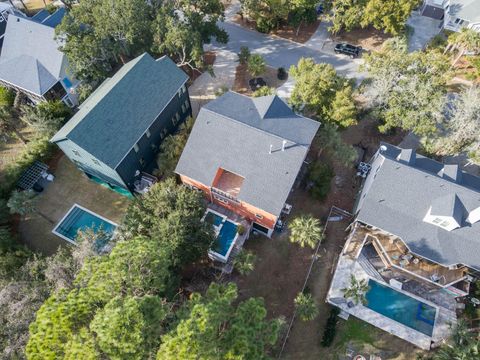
[{"x": 393, "y": 252}]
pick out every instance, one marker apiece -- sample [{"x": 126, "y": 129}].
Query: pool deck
[{"x": 341, "y": 279}]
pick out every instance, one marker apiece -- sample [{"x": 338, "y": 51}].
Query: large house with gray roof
[
  {"x": 245, "y": 154},
  {"x": 30, "y": 59},
  {"x": 116, "y": 133},
  {"x": 416, "y": 239},
  {"x": 455, "y": 14}
]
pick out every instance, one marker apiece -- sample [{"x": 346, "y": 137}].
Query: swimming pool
[
  {"x": 226, "y": 234},
  {"x": 79, "y": 218},
  {"x": 401, "y": 308}
]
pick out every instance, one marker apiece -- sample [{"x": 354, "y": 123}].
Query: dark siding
[{"x": 148, "y": 147}]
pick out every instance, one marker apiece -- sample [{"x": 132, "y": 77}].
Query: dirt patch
[
  {"x": 305, "y": 337},
  {"x": 242, "y": 77},
  {"x": 368, "y": 38},
  {"x": 208, "y": 60},
  {"x": 284, "y": 31}
]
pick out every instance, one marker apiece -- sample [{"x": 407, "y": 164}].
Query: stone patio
[
  {"x": 70, "y": 186},
  {"x": 348, "y": 265}
]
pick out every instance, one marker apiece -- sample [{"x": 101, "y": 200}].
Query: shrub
[
  {"x": 7, "y": 97},
  {"x": 319, "y": 178},
  {"x": 241, "y": 229},
  {"x": 245, "y": 262},
  {"x": 265, "y": 25},
  {"x": 330, "y": 328},
  {"x": 305, "y": 306},
  {"x": 282, "y": 73},
  {"x": 221, "y": 90},
  {"x": 243, "y": 55},
  {"x": 264, "y": 91}
]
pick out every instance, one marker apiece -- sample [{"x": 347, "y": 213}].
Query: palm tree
[
  {"x": 466, "y": 39},
  {"x": 256, "y": 65},
  {"x": 305, "y": 307},
  {"x": 245, "y": 262},
  {"x": 22, "y": 202},
  {"x": 306, "y": 231},
  {"x": 463, "y": 345},
  {"x": 356, "y": 290}
]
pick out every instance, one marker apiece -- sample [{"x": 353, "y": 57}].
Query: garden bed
[{"x": 242, "y": 77}]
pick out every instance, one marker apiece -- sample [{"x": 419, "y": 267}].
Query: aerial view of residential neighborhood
[{"x": 240, "y": 179}]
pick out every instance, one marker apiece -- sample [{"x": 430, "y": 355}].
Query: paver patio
[{"x": 69, "y": 187}]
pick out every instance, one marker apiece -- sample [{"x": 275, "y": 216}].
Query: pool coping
[
  {"x": 54, "y": 231},
  {"x": 213, "y": 253}
]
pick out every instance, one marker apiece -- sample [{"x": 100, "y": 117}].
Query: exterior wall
[
  {"x": 241, "y": 208},
  {"x": 148, "y": 146},
  {"x": 89, "y": 164}
]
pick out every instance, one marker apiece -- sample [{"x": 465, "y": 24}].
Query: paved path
[{"x": 277, "y": 52}]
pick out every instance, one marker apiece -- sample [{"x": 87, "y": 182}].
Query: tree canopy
[
  {"x": 98, "y": 35},
  {"x": 319, "y": 91},
  {"x": 213, "y": 327},
  {"x": 306, "y": 231},
  {"x": 407, "y": 89},
  {"x": 387, "y": 15}
]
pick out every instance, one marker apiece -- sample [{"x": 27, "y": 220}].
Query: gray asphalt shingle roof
[
  {"x": 234, "y": 132},
  {"x": 120, "y": 111},
  {"x": 400, "y": 196},
  {"x": 30, "y": 58}
]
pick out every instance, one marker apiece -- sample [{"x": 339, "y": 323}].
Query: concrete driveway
[{"x": 424, "y": 29}]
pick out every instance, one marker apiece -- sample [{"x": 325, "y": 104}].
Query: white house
[{"x": 454, "y": 14}]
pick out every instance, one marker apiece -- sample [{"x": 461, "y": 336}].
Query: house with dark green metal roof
[{"x": 116, "y": 133}]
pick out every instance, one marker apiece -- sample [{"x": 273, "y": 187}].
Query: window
[
  {"x": 437, "y": 221},
  {"x": 96, "y": 162},
  {"x": 183, "y": 89},
  {"x": 183, "y": 108},
  {"x": 187, "y": 104},
  {"x": 445, "y": 224},
  {"x": 221, "y": 199},
  {"x": 142, "y": 161},
  {"x": 258, "y": 216},
  {"x": 163, "y": 133},
  {"x": 135, "y": 147},
  {"x": 76, "y": 153},
  {"x": 148, "y": 133},
  {"x": 177, "y": 116}
]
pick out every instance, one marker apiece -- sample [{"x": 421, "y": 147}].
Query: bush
[
  {"x": 265, "y": 25},
  {"x": 243, "y": 55},
  {"x": 241, "y": 229},
  {"x": 319, "y": 178},
  {"x": 330, "y": 328},
  {"x": 7, "y": 97},
  {"x": 282, "y": 73}
]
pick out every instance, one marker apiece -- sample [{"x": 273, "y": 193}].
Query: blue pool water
[
  {"x": 401, "y": 308},
  {"x": 213, "y": 218},
  {"x": 79, "y": 219},
  {"x": 225, "y": 238}
]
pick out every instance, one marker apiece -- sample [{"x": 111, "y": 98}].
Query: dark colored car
[{"x": 347, "y": 49}]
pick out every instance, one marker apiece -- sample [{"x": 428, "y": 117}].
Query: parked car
[{"x": 347, "y": 49}]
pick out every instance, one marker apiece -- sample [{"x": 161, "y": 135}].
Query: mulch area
[
  {"x": 368, "y": 38},
  {"x": 285, "y": 31},
  {"x": 208, "y": 60},
  {"x": 242, "y": 77}
]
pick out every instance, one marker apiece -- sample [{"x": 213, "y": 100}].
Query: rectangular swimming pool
[
  {"x": 78, "y": 218},
  {"x": 401, "y": 308},
  {"x": 226, "y": 234}
]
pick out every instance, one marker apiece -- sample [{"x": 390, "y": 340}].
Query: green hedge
[
  {"x": 330, "y": 327},
  {"x": 40, "y": 149}
]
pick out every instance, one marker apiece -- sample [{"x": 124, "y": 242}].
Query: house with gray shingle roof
[
  {"x": 415, "y": 240},
  {"x": 30, "y": 61},
  {"x": 116, "y": 133},
  {"x": 245, "y": 154}
]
